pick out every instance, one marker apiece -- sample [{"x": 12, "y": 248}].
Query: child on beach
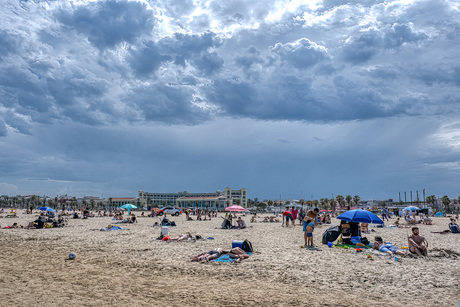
[{"x": 308, "y": 228}]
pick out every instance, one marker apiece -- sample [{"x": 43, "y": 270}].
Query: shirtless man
[
  {"x": 417, "y": 244},
  {"x": 312, "y": 215}
]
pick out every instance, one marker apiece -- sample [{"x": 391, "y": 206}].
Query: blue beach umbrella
[
  {"x": 129, "y": 207},
  {"x": 47, "y": 209},
  {"x": 360, "y": 216},
  {"x": 411, "y": 208}
]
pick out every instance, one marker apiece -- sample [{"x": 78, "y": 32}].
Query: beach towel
[
  {"x": 350, "y": 246},
  {"x": 226, "y": 258},
  {"x": 112, "y": 228}
]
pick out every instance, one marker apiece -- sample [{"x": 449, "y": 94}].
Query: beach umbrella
[
  {"x": 129, "y": 207},
  {"x": 47, "y": 209},
  {"x": 411, "y": 208},
  {"x": 235, "y": 208},
  {"x": 360, "y": 216}
]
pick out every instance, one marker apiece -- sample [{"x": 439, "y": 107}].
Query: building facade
[{"x": 211, "y": 200}]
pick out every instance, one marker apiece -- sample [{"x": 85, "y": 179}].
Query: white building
[{"x": 210, "y": 200}]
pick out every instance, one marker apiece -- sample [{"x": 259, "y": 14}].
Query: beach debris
[{"x": 72, "y": 256}]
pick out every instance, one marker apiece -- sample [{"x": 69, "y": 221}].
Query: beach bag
[
  {"x": 365, "y": 241},
  {"x": 247, "y": 246},
  {"x": 355, "y": 240}
]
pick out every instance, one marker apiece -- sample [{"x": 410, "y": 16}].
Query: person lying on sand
[
  {"x": 183, "y": 237},
  {"x": 235, "y": 253},
  {"x": 386, "y": 248},
  {"x": 15, "y": 225}
]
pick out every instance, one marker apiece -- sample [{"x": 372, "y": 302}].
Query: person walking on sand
[{"x": 417, "y": 244}]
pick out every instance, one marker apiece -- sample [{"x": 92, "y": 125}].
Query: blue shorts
[
  {"x": 385, "y": 249},
  {"x": 309, "y": 234}
]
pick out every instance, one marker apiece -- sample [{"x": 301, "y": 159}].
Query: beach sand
[{"x": 130, "y": 267}]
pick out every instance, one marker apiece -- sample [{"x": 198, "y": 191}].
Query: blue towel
[
  {"x": 225, "y": 258},
  {"x": 112, "y": 228}
]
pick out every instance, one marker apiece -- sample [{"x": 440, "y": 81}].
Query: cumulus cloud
[
  {"x": 374, "y": 41},
  {"x": 108, "y": 23},
  {"x": 106, "y": 61}
]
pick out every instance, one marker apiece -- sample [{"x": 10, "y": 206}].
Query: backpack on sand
[{"x": 247, "y": 246}]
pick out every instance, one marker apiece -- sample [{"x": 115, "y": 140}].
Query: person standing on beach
[
  {"x": 417, "y": 244},
  {"x": 310, "y": 219},
  {"x": 312, "y": 215},
  {"x": 301, "y": 216},
  {"x": 308, "y": 228},
  {"x": 294, "y": 212},
  {"x": 287, "y": 215}
]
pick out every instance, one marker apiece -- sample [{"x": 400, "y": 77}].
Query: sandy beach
[{"x": 130, "y": 267}]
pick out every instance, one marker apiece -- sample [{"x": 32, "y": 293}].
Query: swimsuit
[
  {"x": 213, "y": 252},
  {"x": 305, "y": 225}
]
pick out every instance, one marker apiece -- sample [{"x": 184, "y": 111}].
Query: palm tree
[
  {"x": 348, "y": 198},
  {"x": 446, "y": 202},
  {"x": 74, "y": 202},
  {"x": 340, "y": 200},
  {"x": 316, "y": 203},
  {"x": 356, "y": 199},
  {"x": 325, "y": 202},
  {"x": 431, "y": 200},
  {"x": 333, "y": 204}
]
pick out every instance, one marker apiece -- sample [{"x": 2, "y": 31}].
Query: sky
[{"x": 289, "y": 99}]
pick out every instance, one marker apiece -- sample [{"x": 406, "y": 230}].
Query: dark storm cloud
[
  {"x": 101, "y": 62},
  {"x": 374, "y": 41},
  {"x": 180, "y": 48},
  {"x": 167, "y": 104},
  {"x": 109, "y": 23},
  {"x": 3, "y": 130},
  {"x": 147, "y": 59}
]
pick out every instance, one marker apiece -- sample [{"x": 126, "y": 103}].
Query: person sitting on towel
[{"x": 454, "y": 228}]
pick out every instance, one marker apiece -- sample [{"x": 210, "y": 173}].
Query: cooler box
[
  {"x": 236, "y": 243},
  {"x": 164, "y": 230}
]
